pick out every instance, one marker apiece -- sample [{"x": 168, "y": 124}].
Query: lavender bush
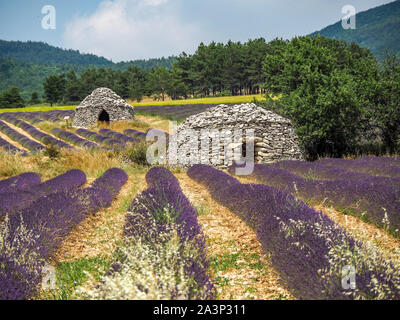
[
  {"x": 20, "y": 138},
  {"x": 307, "y": 248},
  {"x": 135, "y": 133},
  {"x": 37, "y": 134},
  {"x": 21, "y": 182},
  {"x": 117, "y": 136},
  {"x": 8, "y": 147},
  {"x": 163, "y": 218},
  {"x": 48, "y": 221},
  {"x": 373, "y": 167},
  {"x": 378, "y": 203},
  {"x": 319, "y": 171},
  {"x": 12, "y": 202},
  {"x": 73, "y": 138},
  {"x": 106, "y": 141}
]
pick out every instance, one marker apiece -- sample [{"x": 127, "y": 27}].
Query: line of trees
[{"x": 213, "y": 70}]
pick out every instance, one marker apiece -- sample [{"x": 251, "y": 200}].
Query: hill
[
  {"x": 27, "y": 64},
  {"x": 43, "y": 53},
  {"x": 376, "y": 29}
]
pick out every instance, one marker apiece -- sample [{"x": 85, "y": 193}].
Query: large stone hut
[
  {"x": 102, "y": 105},
  {"x": 274, "y": 135}
]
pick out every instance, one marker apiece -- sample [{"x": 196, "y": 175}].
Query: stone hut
[
  {"x": 102, "y": 105},
  {"x": 274, "y": 135}
]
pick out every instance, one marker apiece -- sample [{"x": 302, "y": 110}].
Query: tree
[
  {"x": 325, "y": 87},
  {"x": 176, "y": 88},
  {"x": 386, "y": 107},
  {"x": 54, "y": 88},
  {"x": 73, "y": 92},
  {"x": 138, "y": 83},
  {"x": 11, "y": 98},
  {"x": 182, "y": 69},
  {"x": 34, "y": 98},
  {"x": 160, "y": 78}
]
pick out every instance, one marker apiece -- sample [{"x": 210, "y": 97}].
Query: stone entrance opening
[
  {"x": 244, "y": 150},
  {"x": 104, "y": 117}
]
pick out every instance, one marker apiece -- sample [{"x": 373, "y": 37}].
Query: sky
[{"x": 123, "y": 30}]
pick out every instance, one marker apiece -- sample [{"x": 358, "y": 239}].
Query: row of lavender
[
  {"x": 100, "y": 139},
  {"x": 163, "y": 250},
  {"x": 113, "y": 139},
  {"x": 377, "y": 166},
  {"x": 33, "y": 230},
  {"x": 13, "y": 201},
  {"x": 39, "y": 116},
  {"x": 356, "y": 170},
  {"x": 23, "y": 140},
  {"x": 74, "y": 139},
  {"x": 374, "y": 199},
  {"x": 35, "y": 133},
  {"x": 108, "y": 138},
  {"x": 8, "y": 147},
  {"x": 306, "y": 247}
]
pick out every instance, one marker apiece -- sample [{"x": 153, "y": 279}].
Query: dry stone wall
[
  {"x": 102, "y": 100},
  {"x": 274, "y": 135}
]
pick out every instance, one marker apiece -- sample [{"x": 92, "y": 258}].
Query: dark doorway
[
  {"x": 244, "y": 150},
  {"x": 104, "y": 117}
]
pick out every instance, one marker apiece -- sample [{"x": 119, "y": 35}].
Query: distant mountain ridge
[
  {"x": 27, "y": 64},
  {"x": 376, "y": 29},
  {"x": 43, "y": 53}
]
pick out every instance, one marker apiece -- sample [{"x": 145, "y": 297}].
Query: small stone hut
[
  {"x": 102, "y": 105},
  {"x": 274, "y": 135}
]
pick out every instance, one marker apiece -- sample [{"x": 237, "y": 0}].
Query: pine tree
[
  {"x": 34, "y": 98},
  {"x": 11, "y": 98}
]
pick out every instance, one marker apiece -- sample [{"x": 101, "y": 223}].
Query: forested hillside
[
  {"x": 146, "y": 64},
  {"x": 43, "y": 54},
  {"x": 376, "y": 29},
  {"x": 27, "y": 64}
]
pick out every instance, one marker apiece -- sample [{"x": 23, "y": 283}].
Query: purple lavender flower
[
  {"x": 50, "y": 219},
  {"x": 21, "y": 182}
]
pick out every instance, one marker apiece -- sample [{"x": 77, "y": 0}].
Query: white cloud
[
  {"x": 132, "y": 29},
  {"x": 152, "y": 3}
]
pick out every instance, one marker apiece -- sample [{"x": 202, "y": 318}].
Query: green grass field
[
  {"x": 212, "y": 100},
  {"x": 40, "y": 108}
]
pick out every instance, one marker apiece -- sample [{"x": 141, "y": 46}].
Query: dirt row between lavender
[
  {"x": 14, "y": 143},
  {"x": 99, "y": 233},
  {"x": 240, "y": 270}
]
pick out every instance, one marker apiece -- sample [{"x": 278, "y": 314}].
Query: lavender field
[{"x": 84, "y": 203}]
